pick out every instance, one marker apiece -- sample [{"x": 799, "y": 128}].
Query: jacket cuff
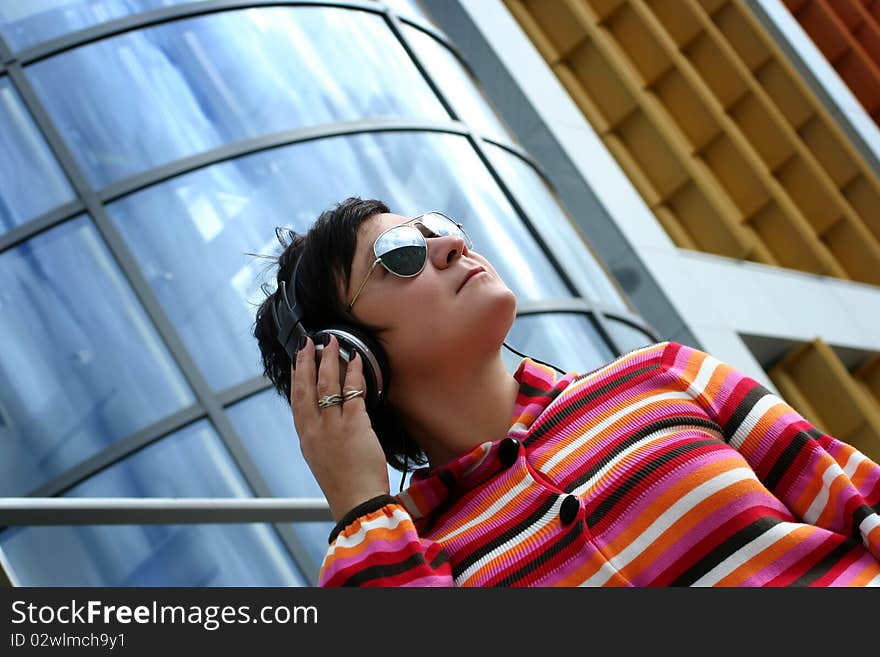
[{"x": 362, "y": 509}]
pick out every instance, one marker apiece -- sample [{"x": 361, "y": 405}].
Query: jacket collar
[{"x": 538, "y": 386}]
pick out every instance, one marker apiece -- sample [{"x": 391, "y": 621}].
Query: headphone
[{"x": 288, "y": 316}]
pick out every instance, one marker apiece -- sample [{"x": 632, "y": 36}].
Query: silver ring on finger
[
  {"x": 351, "y": 394},
  {"x": 330, "y": 400}
]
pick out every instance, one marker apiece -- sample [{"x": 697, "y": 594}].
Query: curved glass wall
[
  {"x": 145, "y": 98},
  {"x": 556, "y": 228},
  {"x": 153, "y": 555},
  {"x": 265, "y": 424},
  {"x": 190, "y": 234},
  {"x": 82, "y": 365},
  {"x": 445, "y": 69},
  {"x": 87, "y": 364},
  {"x": 628, "y": 337},
  {"x": 25, "y": 23},
  {"x": 31, "y": 182},
  {"x": 406, "y": 8}
]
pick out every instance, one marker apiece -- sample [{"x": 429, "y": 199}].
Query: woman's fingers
[
  {"x": 311, "y": 381},
  {"x": 354, "y": 380},
  {"x": 303, "y": 398},
  {"x": 328, "y": 371}
]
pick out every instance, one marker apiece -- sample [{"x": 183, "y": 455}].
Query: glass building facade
[{"x": 148, "y": 146}]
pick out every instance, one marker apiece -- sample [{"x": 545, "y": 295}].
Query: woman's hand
[{"x": 338, "y": 442}]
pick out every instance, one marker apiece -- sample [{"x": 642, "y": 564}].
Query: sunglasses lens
[
  {"x": 442, "y": 226},
  {"x": 403, "y": 250}
]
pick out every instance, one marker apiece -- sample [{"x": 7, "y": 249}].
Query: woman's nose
[{"x": 443, "y": 251}]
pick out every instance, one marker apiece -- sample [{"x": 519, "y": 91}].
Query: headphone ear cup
[{"x": 376, "y": 369}]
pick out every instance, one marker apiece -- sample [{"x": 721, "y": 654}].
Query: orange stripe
[
  {"x": 830, "y": 512},
  {"x": 761, "y": 429},
  {"x": 616, "y": 581},
  {"x": 870, "y": 572},
  {"x": 873, "y": 539},
  {"x": 583, "y": 573},
  {"x": 716, "y": 381},
  {"x": 843, "y": 454},
  {"x": 814, "y": 485},
  {"x": 864, "y": 469},
  {"x": 768, "y": 556},
  {"x": 376, "y": 534},
  {"x": 692, "y": 367},
  {"x": 418, "y": 498}
]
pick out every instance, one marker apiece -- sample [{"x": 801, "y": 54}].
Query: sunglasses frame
[{"x": 414, "y": 220}]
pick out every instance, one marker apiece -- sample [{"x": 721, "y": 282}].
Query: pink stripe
[
  {"x": 870, "y": 483},
  {"x": 847, "y": 576},
  {"x": 722, "y": 397},
  {"x": 337, "y": 564},
  {"x": 817, "y": 463},
  {"x": 429, "y": 580},
  {"x": 731, "y": 380}
]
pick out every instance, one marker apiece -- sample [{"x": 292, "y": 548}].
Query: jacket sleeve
[
  {"x": 823, "y": 481},
  {"x": 376, "y": 544}
]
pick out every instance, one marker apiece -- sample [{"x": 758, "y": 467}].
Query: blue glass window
[
  {"x": 31, "y": 182},
  {"x": 81, "y": 363},
  {"x": 567, "y": 340},
  {"x": 191, "y": 234},
  {"x": 407, "y": 8},
  {"x": 265, "y": 424},
  {"x": 457, "y": 85},
  {"x": 556, "y": 228},
  {"x": 628, "y": 337},
  {"x": 25, "y": 23},
  {"x": 189, "y": 463},
  {"x": 145, "y": 98}
]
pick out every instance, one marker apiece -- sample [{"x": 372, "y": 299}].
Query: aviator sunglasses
[{"x": 403, "y": 249}]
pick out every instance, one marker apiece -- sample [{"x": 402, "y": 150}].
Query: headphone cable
[{"x": 522, "y": 355}]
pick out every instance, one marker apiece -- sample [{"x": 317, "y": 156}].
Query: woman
[{"x": 664, "y": 467}]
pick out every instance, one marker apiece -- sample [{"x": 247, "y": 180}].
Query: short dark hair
[{"x": 327, "y": 251}]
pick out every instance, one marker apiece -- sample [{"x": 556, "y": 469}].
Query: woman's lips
[{"x": 473, "y": 272}]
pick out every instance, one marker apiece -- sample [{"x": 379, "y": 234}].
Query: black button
[
  {"x": 508, "y": 451},
  {"x": 569, "y": 509}
]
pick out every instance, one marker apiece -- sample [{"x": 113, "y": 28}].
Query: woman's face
[{"x": 439, "y": 317}]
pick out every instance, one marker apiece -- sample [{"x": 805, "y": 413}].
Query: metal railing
[
  {"x": 159, "y": 510},
  {"x": 30, "y": 511}
]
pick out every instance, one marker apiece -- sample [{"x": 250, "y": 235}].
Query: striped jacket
[{"x": 664, "y": 467}]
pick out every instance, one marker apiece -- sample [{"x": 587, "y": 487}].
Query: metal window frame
[
  {"x": 211, "y": 405},
  {"x": 183, "y": 11}
]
